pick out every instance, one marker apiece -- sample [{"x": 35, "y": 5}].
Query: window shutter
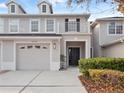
[
  {"x": 66, "y": 25},
  {"x": 78, "y": 25}
]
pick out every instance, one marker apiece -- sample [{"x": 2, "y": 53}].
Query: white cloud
[
  {"x": 3, "y": 5},
  {"x": 56, "y": 1}
]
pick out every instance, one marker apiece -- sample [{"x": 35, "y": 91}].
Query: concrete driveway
[{"x": 41, "y": 82}]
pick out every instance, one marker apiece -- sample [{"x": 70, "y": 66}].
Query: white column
[{"x": 87, "y": 49}]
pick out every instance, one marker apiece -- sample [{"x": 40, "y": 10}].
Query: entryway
[
  {"x": 74, "y": 51},
  {"x": 74, "y": 55}
]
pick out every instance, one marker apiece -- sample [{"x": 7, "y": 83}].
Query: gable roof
[
  {"x": 47, "y": 2},
  {"x": 44, "y": 1},
  {"x": 93, "y": 24},
  {"x": 14, "y": 1},
  {"x": 110, "y": 18}
]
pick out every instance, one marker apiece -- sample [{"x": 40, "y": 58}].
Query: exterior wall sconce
[{"x": 54, "y": 45}]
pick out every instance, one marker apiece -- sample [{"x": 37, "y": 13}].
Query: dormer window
[
  {"x": 44, "y": 8},
  {"x": 13, "y": 9}
]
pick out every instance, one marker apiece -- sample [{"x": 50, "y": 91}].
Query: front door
[{"x": 74, "y": 56}]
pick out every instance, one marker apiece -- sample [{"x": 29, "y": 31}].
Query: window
[
  {"x": 78, "y": 25},
  {"x": 44, "y": 8},
  {"x": 119, "y": 29},
  {"x": 50, "y": 25},
  {"x": 115, "y": 28},
  {"x": 14, "y": 25},
  {"x": 1, "y": 25},
  {"x": 112, "y": 28},
  {"x": 12, "y": 8},
  {"x": 66, "y": 25},
  {"x": 72, "y": 25},
  {"x": 34, "y": 26}
]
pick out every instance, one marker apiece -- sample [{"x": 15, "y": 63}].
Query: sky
[{"x": 97, "y": 10}]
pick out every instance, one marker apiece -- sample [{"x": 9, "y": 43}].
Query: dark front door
[{"x": 74, "y": 56}]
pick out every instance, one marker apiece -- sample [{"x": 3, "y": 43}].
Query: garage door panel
[{"x": 33, "y": 57}]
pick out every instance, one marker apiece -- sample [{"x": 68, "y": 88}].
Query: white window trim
[
  {"x": 42, "y": 9},
  {"x": 17, "y": 25},
  {"x": 38, "y": 25},
  {"x": 46, "y": 25},
  {"x": 115, "y": 30},
  {"x": 15, "y": 8}
]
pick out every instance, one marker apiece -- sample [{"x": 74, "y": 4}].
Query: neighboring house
[
  {"x": 108, "y": 37},
  {"x": 38, "y": 41}
]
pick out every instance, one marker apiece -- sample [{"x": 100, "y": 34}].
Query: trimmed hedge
[{"x": 101, "y": 63}]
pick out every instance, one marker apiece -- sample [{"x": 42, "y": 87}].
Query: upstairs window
[
  {"x": 14, "y": 25},
  {"x": 112, "y": 28},
  {"x": 115, "y": 28},
  {"x": 35, "y": 25},
  {"x": 119, "y": 29},
  {"x": 72, "y": 25},
  {"x": 1, "y": 25},
  {"x": 44, "y": 8},
  {"x": 13, "y": 9},
  {"x": 50, "y": 25}
]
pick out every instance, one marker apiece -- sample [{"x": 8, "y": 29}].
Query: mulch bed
[
  {"x": 91, "y": 87},
  {"x": 3, "y": 71}
]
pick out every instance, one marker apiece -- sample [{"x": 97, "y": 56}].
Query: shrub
[
  {"x": 108, "y": 78},
  {"x": 101, "y": 63}
]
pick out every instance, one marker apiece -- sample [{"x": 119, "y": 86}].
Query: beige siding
[
  {"x": 6, "y": 25},
  {"x": 96, "y": 40},
  {"x": 116, "y": 50},
  {"x": 24, "y": 26},
  {"x": 24, "y": 23},
  {"x": 8, "y": 51},
  {"x": 56, "y": 51}
]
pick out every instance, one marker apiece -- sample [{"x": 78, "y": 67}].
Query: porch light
[{"x": 54, "y": 45}]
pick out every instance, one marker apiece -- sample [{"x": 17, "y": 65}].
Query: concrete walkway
[{"x": 41, "y": 82}]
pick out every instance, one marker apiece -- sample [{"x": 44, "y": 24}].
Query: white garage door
[{"x": 33, "y": 57}]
